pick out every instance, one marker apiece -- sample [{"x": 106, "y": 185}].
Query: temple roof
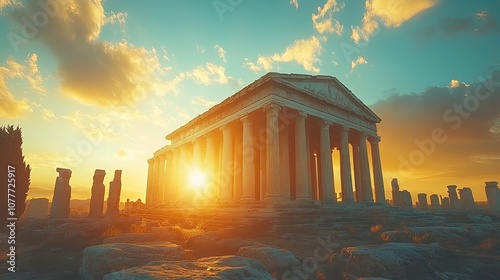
[{"x": 326, "y": 88}]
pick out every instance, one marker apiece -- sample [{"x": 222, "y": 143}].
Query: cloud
[
  {"x": 360, "y": 60},
  {"x": 221, "y": 52},
  {"x": 295, "y": 3},
  {"x": 200, "y": 49},
  {"x": 456, "y": 83},
  {"x": 209, "y": 74},
  {"x": 10, "y": 106},
  {"x": 465, "y": 120},
  {"x": 304, "y": 52},
  {"x": 8, "y": 3},
  {"x": 45, "y": 113},
  {"x": 92, "y": 71},
  {"x": 480, "y": 23},
  {"x": 390, "y": 13},
  {"x": 200, "y": 100},
  {"x": 323, "y": 21}
]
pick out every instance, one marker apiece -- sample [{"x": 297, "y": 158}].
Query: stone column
[
  {"x": 467, "y": 199},
  {"x": 272, "y": 153},
  {"x": 365, "y": 169},
  {"x": 248, "y": 164},
  {"x": 156, "y": 181},
  {"x": 115, "y": 187},
  {"x": 197, "y": 153},
  {"x": 209, "y": 167},
  {"x": 162, "y": 183},
  {"x": 422, "y": 201},
  {"x": 174, "y": 180},
  {"x": 149, "y": 188},
  {"x": 357, "y": 171},
  {"x": 284, "y": 162},
  {"x": 493, "y": 196},
  {"x": 434, "y": 201},
  {"x": 62, "y": 195},
  {"x": 325, "y": 163},
  {"x": 183, "y": 173},
  {"x": 238, "y": 161},
  {"x": 396, "y": 194},
  {"x": 303, "y": 189},
  {"x": 452, "y": 194},
  {"x": 345, "y": 165},
  {"x": 378, "y": 178},
  {"x": 167, "y": 190},
  {"x": 226, "y": 194},
  {"x": 97, "y": 198}
]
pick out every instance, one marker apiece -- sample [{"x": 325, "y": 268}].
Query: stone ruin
[
  {"x": 452, "y": 194},
  {"x": 62, "y": 195},
  {"x": 493, "y": 196},
  {"x": 115, "y": 186},
  {"x": 134, "y": 205},
  {"x": 422, "y": 201},
  {"x": 97, "y": 198},
  {"x": 396, "y": 197},
  {"x": 406, "y": 201},
  {"x": 38, "y": 208},
  {"x": 434, "y": 202},
  {"x": 466, "y": 199}
]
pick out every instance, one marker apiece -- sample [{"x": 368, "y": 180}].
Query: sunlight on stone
[{"x": 197, "y": 179}]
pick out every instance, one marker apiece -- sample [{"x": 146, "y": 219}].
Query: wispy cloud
[
  {"x": 295, "y": 3},
  {"x": 210, "y": 74},
  {"x": 304, "y": 52},
  {"x": 391, "y": 13},
  {"x": 324, "y": 22},
  {"x": 360, "y": 60},
  {"x": 221, "y": 52},
  {"x": 200, "y": 100}
]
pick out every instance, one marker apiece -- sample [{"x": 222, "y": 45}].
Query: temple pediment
[{"x": 329, "y": 89}]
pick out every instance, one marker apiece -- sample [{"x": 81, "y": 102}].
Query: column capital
[
  {"x": 162, "y": 156},
  {"x": 374, "y": 139},
  {"x": 272, "y": 109},
  {"x": 225, "y": 127},
  {"x": 325, "y": 123},
  {"x": 245, "y": 120},
  {"x": 363, "y": 136},
  {"x": 345, "y": 128},
  {"x": 302, "y": 115},
  {"x": 151, "y": 160}
]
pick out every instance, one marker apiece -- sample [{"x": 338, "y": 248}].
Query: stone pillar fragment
[
  {"x": 493, "y": 196},
  {"x": 406, "y": 201},
  {"x": 378, "y": 178},
  {"x": 445, "y": 202},
  {"x": 422, "y": 201},
  {"x": 365, "y": 169},
  {"x": 62, "y": 195},
  {"x": 396, "y": 194},
  {"x": 466, "y": 199},
  {"x": 434, "y": 201},
  {"x": 115, "y": 187},
  {"x": 97, "y": 198},
  {"x": 452, "y": 194}
]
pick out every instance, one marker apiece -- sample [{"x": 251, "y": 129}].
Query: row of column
[{"x": 165, "y": 168}]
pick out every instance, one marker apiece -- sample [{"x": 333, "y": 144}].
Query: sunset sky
[{"x": 98, "y": 84}]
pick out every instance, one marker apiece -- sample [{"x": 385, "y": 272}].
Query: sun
[{"x": 197, "y": 179}]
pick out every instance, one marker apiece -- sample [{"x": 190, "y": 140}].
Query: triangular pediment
[{"x": 331, "y": 90}]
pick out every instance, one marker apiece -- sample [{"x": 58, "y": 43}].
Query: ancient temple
[{"x": 273, "y": 141}]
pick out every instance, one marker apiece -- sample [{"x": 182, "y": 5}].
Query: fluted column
[
  {"x": 365, "y": 169},
  {"x": 209, "y": 165},
  {"x": 197, "y": 153},
  {"x": 357, "y": 170},
  {"x": 174, "y": 180},
  {"x": 302, "y": 187},
  {"x": 162, "y": 183},
  {"x": 284, "y": 162},
  {"x": 325, "y": 160},
  {"x": 248, "y": 168},
  {"x": 378, "y": 178},
  {"x": 149, "y": 188},
  {"x": 272, "y": 152},
  {"x": 182, "y": 179},
  {"x": 226, "y": 174},
  {"x": 168, "y": 180},
  {"x": 345, "y": 165},
  {"x": 156, "y": 180}
]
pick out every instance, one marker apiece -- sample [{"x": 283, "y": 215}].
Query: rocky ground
[{"x": 339, "y": 241}]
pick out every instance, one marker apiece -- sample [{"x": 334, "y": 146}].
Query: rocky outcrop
[
  {"x": 104, "y": 259},
  {"x": 390, "y": 260},
  {"x": 272, "y": 258},
  {"x": 224, "y": 267}
]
